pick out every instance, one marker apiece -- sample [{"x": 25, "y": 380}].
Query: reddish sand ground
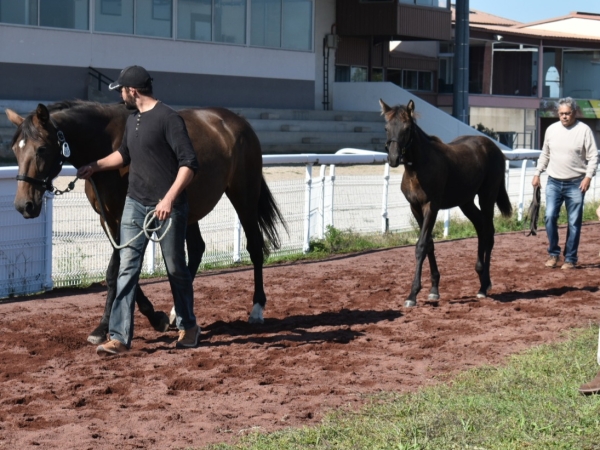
[{"x": 335, "y": 331}]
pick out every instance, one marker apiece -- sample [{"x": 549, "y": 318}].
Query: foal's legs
[
  {"x": 426, "y": 221},
  {"x": 485, "y": 242}
]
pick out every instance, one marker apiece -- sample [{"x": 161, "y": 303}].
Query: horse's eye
[{"x": 42, "y": 150}]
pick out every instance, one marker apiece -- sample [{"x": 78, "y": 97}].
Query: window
[
  {"x": 430, "y": 3},
  {"x": 70, "y": 14},
  {"x": 413, "y": 80},
  {"x": 230, "y": 21},
  {"x": 114, "y": 16},
  {"x": 194, "y": 20},
  {"x": 265, "y": 23},
  {"x": 153, "y": 18},
  {"x": 21, "y": 12},
  {"x": 281, "y": 24}
]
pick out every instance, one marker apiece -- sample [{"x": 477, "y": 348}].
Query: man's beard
[{"x": 130, "y": 102}]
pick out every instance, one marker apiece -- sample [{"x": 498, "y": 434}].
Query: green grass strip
[{"x": 531, "y": 403}]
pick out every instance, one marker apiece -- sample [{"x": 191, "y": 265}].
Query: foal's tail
[
  {"x": 503, "y": 201},
  {"x": 268, "y": 216}
]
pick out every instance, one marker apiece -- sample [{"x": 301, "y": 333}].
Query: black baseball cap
[{"x": 132, "y": 76}]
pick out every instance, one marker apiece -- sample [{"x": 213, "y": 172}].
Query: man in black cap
[{"x": 162, "y": 162}]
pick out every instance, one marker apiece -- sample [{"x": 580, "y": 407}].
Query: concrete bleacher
[{"x": 279, "y": 131}]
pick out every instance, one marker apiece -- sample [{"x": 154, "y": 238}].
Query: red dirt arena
[{"x": 335, "y": 331}]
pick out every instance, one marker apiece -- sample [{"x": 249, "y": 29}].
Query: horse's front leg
[
  {"x": 424, "y": 248},
  {"x": 98, "y": 336},
  {"x": 434, "y": 293}
]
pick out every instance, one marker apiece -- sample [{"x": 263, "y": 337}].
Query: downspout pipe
[{"x": 460, "y": 103}]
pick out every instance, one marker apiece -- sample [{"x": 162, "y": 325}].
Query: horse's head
[
  {"x": 38, "y": 146},
  {"x": 399, "y": 127}
]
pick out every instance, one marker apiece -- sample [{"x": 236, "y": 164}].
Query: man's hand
[
  {"x": 85, "y": 172},
  {"x": 163, "y": 209},
  {"x": 536, "y": 181},
  {"x": 585, "y": 184}
]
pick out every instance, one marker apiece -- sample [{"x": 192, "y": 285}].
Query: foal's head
[
  {"x": 38, "y": 150},
  {"x": 399, "y": 127}
]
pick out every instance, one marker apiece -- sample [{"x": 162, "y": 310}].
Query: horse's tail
[
  {"x": 503, "y": 201},
  {"x": 268, "y": 216}
]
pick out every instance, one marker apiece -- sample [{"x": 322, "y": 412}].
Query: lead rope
[{"x": 145, "y": 228}]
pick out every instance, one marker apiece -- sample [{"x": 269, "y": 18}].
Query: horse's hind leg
[
  {"x": 195, "y": 250},
  {"x": 248, "y": 215},
  {"x": 482, "y": 266}
]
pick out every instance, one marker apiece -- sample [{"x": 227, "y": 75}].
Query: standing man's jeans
[
  {"x": 557, "y": 192},
  {"x": 132, "y": 257}
]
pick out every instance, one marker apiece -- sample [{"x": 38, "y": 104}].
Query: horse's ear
[
  {"x": 42, "y": 114},
  {"x": 411, "y": 108},
  {"x": 384, "y": 108},
  {"x": 14, "y": 117}
]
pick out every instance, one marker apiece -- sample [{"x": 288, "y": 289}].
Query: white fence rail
[{"x": 66, "y": 245}]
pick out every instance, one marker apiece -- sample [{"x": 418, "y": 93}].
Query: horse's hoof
[
  {"x": 481, "y": 294},
  {"x": 98, "y": 336},
  {"x": 433, "y": 297},
  {"x": 256, "y": 316},
  {"x": 160, "y": 322},
  {"x": 410, "y": 303}
]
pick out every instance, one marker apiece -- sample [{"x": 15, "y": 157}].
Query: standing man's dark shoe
[{"x": 591, "y": 388}]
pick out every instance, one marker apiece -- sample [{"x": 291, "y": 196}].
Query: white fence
[{"x": 66, "y": 245}]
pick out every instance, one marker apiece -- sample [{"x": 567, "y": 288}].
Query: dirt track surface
[{"x": 335, "y": 331}]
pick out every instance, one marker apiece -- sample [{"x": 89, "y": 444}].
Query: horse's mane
[
  {"x": 400, "y": 112},
  {"x": 28, "y": 130}
]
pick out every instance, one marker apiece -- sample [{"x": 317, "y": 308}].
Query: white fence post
[
  {"x": 237, "y": 240},
  {"x": 507, "y": 174},
  {"x": 332, "y": 188},
  {"x": 322, "y": 202},
  {"x": 385, "y": 222},
  {"x": 151, "y": 258},
  {"x": 522, "y": 190},
  {"x": 446, "y": 222},
  {"x": 308, "y": 181}
]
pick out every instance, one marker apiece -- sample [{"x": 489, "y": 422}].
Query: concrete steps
[{"x": 279, "y": 131}]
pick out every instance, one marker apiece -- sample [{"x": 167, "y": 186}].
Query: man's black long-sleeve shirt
[{"x": 155, "y": 145}]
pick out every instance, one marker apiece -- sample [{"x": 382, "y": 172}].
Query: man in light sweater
[{"x": 570, "y": 156}]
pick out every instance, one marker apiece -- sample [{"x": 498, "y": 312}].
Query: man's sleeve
[
  {"x": 124, "y": 150},
  {"x": 591, "y": 154},
  {"x": 544, "y": 157},
  {"x": 179, "y": 140}
]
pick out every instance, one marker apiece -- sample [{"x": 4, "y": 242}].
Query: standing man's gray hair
[{"x": 568, "y": 101}]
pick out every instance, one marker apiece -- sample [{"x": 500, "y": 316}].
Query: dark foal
[{"x": 441, "y": 176}]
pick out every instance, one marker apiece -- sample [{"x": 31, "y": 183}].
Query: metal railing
[{"x": 66, "y": 245}]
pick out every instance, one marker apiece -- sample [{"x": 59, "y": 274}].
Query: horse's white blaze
[
  {"x": 256, "y": 316},
  {"x": 22, "y": 143}
]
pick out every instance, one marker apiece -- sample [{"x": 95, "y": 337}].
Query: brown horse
[
  {"x": 439, "y": 176},
  {"x": 230, "y": 160}
]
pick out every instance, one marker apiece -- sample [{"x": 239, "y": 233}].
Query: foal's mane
[
  {"x": 28, "y": 130},
  {"x": 400, "y": 112}
]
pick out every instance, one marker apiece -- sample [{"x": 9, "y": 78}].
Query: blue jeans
[
  {"x": 557, "y": 192},
  {"x": 132, "y": 257}
]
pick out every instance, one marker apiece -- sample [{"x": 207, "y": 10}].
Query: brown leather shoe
[
  {"x": 552, "y": 262},
  {"x": 568, "y": 266},
  {"x": 188, "y": 338},
  {"x": 593, "y": 387},
  {"x": 112, "y": 347}
]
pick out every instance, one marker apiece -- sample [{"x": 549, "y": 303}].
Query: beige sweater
[{"x": 568, "y": 152}]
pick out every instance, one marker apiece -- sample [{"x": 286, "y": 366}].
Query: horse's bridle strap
[{"x": 46, "y": 183}]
